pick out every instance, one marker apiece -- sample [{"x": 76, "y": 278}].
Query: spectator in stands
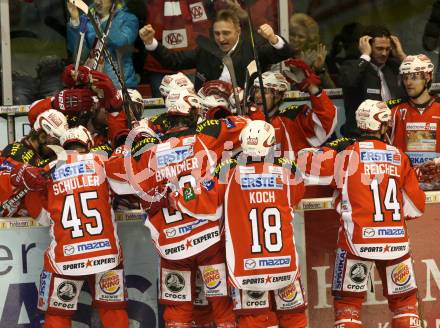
[
  {"x": 432, "y": 32},
  {"x": 122, "y": 35},
  {"x": 228, "y": 39},
  {"x": 372, "y": 76},
  {"x": 304, "y": 40}
]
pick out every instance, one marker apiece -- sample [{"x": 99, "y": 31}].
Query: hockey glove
[
  {"x": 156, "y": 199},
  {"x": 82, "y": 77},
  {"x": 74, "y": 101},
  {"x": 112, "y": 98},
  {"x": 216, "y": 87},
  {"x": 428, "y": 172},
  {"x": 301, "y": 75},
  {"x": 25, "y": 176}
]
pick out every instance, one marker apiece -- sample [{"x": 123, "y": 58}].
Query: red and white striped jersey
[
  {"x": 376, "y": 190},
  {"x": 301, "y": 126},
  {"x": 182, "y": 158},
  {"x": 83, "y": 232},
  {"x": 259, "y": 199}
]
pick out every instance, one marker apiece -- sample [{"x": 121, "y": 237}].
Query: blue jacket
[{"x": 123, "y": 31}]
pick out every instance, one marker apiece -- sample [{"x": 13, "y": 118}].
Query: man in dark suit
[
  {"x": 375, "y": 75},
  {"x": 228, "y": 39}
]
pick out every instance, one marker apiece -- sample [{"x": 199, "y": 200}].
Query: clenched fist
[
  {"x": 266, "y": 31},
  {"x": 146, "y": 34}
]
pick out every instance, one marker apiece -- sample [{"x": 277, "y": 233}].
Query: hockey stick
[
  {"x": 207, "y": 45},
  {"x": 251, "y": 69},
  {"x": 82, "y": 32},
  {"x": 11, "y": 205},
  {"x": 227, "y": 61},
  {"x": 126, "y": 96},
  {"x": 257, "y": 61},
  {"x": 130, "y": 113},
  {"x": 97, "y": 49},
  {"x": 83, "y": 7}
]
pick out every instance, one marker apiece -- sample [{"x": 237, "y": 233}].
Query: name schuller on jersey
[{"x": 69, "y": 177}]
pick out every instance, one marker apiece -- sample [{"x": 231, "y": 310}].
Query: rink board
[{"x": 22, "y": 245}]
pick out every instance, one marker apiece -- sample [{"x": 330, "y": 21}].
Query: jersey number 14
[{"x": 389, "y": 202}]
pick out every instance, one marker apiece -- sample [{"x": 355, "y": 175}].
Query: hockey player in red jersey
[
  {"x": 377, "y": 190},
  {"x": 258, "y": 193},
  {"x": 90, "y": 99},
  {"x": 415, "y": 129},
  {"x": 296, "y": 126},
  {"x": 84, "y": 243},
  {"x": 185, "y": 244},
  {"x": 20, "y": 159}
]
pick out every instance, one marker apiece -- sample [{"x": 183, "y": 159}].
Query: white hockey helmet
[
  {"x": 51, "y": 121},
  {"x": 182, "y": 102},
  {"x": 143, "y": 129},
  {"x": 371, "y": 114},
  {"x": 77, "y": 134},
  {"x": 177, "y": 81},
  {"x": 136, "y": 99},
  {"x": 257, "y": 137},
  {"x": 214, "y": 101},
  {"x": 273, "y": 80},
  {"x": 416, "y": 64}
]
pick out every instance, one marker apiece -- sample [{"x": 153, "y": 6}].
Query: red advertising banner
[{"x": 321, "y": 233}]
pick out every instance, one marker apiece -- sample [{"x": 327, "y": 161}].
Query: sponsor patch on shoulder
[
  {"x": 229, "y": 123},
  {"x": 189, "y": 141},
  {"x": 208, "y": 184},
  {"x": 366, "y": 144},
  {"x": 246, "y": 169}
]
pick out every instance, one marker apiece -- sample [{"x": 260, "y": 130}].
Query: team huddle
[{"x": 219, "y": 191}]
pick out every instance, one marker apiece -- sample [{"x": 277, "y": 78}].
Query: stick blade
[{"x": 81, "y": 5}]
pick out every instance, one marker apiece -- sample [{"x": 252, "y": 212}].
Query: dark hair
[
  {"x": 75, "y": 145},
  {"x": 190, "y": 121},
  {"x": 227, "y": 15},
  {"x": 377, "y": 31}
]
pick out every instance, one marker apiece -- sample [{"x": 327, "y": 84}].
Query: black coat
[
  {"x": 360, "y": 81},
  {"x": 208, "y": 67}
]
